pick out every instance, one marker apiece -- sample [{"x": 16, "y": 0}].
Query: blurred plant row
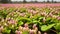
[{"x": 32, "y": 20}]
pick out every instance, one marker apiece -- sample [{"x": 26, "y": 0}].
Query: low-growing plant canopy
[{"x": 32, "y": 20}]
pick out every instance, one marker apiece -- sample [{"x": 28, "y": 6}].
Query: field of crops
[
  {"x": 29, "y": 19},
  {"x": 31, "y": 4}
]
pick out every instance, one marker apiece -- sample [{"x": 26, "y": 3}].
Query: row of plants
[{"x": 32, "y": 20}]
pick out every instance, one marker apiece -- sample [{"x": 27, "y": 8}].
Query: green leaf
[
  {"x": 6, "y": 30},
  {"x": 40, "y": 18},
  {"x": 11, "y": 9},
  {"x": 57, "y": 27},
  {"x": 47, "y": 10},
  {"x": 20, "y": 23},
  {"x": 58, "y": 33},
  {"x": 25, "y": 32},
  {"x": 25, "y": 19},
  {"x": 47, "y": 19},
  {"x": 45, "y": 27},
  {"x": 23, "y": 10},
  {"x": 35, "y": 21}
]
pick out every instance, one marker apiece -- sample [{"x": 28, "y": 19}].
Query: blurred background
[{"x": 29, "y": 1}]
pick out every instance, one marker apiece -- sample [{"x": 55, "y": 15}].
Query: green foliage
[
  {"x": 42, "y": 24},
  {"x": 57, "y": 26},
  {"x": 23, "y": 10},
  {"x": 58, "y": 33},
  {"x": 25, "y": 32},
  {"x": 20, "y": 23},
  {"x": 6, "y": 31},
  {"x": 46, "y": 27}
]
